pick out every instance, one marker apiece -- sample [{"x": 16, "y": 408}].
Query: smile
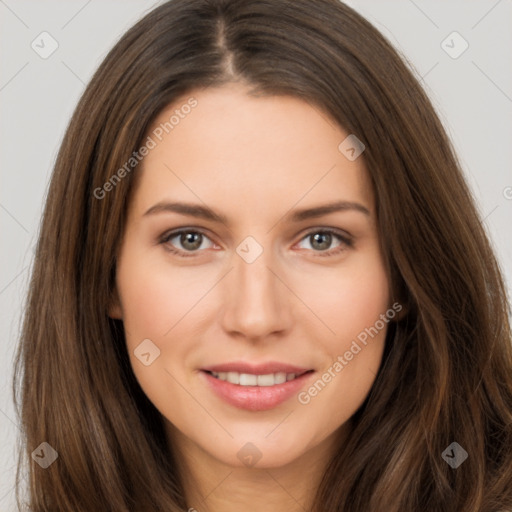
[
  {"x": 255, "y": 388},
  {"x": 248, "y": 379}
]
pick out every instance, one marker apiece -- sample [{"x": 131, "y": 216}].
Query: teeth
[
  {"x": 233, "y": 377},
  {"x": 248, "y": 379}
]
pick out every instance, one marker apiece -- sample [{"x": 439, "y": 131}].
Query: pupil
[
  {"x": 317, "y": 237},
  {"x": 187, "y": 240}
]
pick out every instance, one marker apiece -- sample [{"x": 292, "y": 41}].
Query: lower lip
[{"x": 255, "y": 398}]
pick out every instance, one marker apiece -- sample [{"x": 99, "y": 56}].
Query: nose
[{"x": 256, "y": 302}]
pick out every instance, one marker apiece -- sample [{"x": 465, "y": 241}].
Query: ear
[{"x": 115, "y": 310}]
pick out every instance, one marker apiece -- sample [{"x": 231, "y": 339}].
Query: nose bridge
[{"x": 255, "y": 302}]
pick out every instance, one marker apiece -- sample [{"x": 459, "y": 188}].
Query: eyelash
[{"x": 346, "y": 241}]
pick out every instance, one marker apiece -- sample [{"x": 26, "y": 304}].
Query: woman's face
[{"x": 264, "y": 287}]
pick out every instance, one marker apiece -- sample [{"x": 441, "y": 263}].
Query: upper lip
[{"x": 256, "y": 369}]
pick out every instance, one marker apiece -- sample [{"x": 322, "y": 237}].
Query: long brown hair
[{"x": 446, "y": 374}]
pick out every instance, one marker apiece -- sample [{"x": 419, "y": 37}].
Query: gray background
[{"x": 472, "y": 94}]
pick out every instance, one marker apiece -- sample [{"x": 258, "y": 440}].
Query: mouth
[{"x": 255, "y": 388}]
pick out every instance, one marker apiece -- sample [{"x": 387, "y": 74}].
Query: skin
[{"x": 254, "y": 160}]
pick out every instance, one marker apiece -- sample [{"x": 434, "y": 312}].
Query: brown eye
[
  {"x": 185, "y": 241},
  {"x": 191, "y": 241},
  {"x": 321, "y": 241}
]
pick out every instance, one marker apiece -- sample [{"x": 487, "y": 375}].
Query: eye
[
  {"x": 190, "y": 240},
  {"x": 321, "y": 240}
]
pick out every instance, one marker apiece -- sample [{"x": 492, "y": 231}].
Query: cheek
[
  {"x": 352, "y": 305},
  {"x": 158, "y": 305},
  {"x": 162, "y": 304},
  {"x": 348, "y": 373},
  {"x": 347, "y": 300},
  {"x": 156, "y": 297}
]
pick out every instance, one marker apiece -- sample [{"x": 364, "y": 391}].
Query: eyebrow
[{"x": 203, "y": 212}]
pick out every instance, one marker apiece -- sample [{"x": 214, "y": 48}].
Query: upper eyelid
[{"x": 175, "y": 232}]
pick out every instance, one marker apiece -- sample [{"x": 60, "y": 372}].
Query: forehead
[{"x": 271, "y": 150}]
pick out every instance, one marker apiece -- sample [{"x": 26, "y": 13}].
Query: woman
[{"x": 261, "y": 282}]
